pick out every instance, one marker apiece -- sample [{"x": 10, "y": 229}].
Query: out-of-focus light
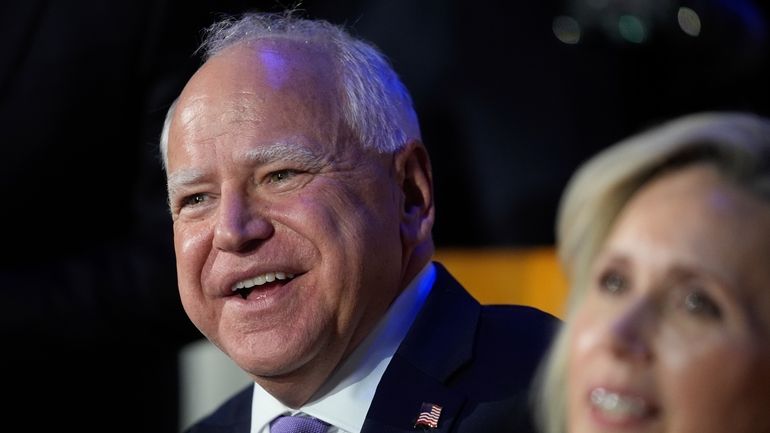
[
  {"x": 632, "y": 29},
  {"x": 566, "y": 29},
  {"x": 689, "y": 21}
]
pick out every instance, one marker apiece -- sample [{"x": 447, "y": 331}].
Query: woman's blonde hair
[{"x": 737, "y": 143}]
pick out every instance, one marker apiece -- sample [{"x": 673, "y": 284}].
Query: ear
[{"x": 413, "y": 170}]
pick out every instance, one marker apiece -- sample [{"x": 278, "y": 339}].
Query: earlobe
[{"x": 414, "y": 172}]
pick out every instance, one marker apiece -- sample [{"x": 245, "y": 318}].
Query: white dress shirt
[{"x": 344, "y": 399}]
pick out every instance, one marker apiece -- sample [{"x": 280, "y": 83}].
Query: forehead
[
  {"x": 694, "y": 217},
  {"x": 697, "y": 198},
  {"x": 251, "y": 72},
  {"x": 243, "y": 77},
  {"x": 258, "y": 90},
  {"x": 274, "y": 64}
]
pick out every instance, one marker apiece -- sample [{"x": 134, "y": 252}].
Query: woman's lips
[{"x": 619, "y": 408}]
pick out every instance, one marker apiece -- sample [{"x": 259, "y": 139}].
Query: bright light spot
[
  {"x": 632, "y": 29},
  {"x": 689, "y": 21},
  {"x": 566, "y": 29}
]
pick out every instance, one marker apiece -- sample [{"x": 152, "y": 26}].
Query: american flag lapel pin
[{"x": 428, "y": 416}]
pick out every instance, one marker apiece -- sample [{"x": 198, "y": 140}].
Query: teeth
[
  {"x": 617, "y": 405},
  {"x": 259, "y": 280}
]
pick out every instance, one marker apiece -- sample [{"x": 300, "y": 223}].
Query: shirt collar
[{"x": 344, "y": 399}]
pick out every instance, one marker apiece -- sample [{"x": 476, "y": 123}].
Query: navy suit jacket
[{"x": 474, "y": 361}]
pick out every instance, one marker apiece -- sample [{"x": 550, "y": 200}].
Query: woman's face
[{"x": 673, "y": 334}]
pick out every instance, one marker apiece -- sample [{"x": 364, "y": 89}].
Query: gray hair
[
  {"x": 376, "y": 105},
  {"x": 738, "y": 144}
]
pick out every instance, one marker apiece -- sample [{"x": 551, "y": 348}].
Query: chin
[{"x": 263, "y": 359}]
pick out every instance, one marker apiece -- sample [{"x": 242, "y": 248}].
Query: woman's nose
[{"x": 631, "y": 331}]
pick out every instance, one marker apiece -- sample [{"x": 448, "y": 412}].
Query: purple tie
[{"x": 298, "y": 424}]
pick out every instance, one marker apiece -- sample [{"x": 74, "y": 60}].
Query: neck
[
  {"x": 296, "y": 388},
  {"x": 420, "y": 256}
]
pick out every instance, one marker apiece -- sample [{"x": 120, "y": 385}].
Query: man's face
[{"x": 286, "y": 232}]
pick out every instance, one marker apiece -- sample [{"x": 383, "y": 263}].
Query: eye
[
  {"x": 193, "y": 199},
  {"x": 613, "y": 282},
  {"x": 280, "y": 176},
  {"x": 698, "y": 302}
]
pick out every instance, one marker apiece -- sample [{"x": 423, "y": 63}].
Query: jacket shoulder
[{"x": 517, "y": 333}]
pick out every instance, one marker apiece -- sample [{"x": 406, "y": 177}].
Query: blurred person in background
[{"x": 665, "y": 239}]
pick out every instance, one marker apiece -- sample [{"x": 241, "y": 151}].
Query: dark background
[
  {"x": 508, "y": 110},
  {"x": 90, "y": 318}
]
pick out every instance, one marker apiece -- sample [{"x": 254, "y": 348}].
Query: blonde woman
[{"x": 665, "y": 239}]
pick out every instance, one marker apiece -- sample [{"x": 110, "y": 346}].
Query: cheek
[
  {"x": 191, "y": 248},
  {"x": 582, "y": 359},
  {"x": 584, "y": 340},
  {"x": 711, "y": 385},
  {"x": 687, "y": 377},
  {"x": 694, "y": 364},
  {"x": 342, "y": 226}
]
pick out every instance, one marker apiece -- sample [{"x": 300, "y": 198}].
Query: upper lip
[
  {"x": 262, "y": 279},
  {"x": 252, "y": 277},
  {"x": 632, "y": 398}
]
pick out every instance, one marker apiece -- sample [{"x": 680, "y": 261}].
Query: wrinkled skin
[{"x": 265, "y": 178}]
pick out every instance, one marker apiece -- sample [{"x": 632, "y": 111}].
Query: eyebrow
[
  {"x": 181, "y": 178},
  {"x": 677, "y": 270},
  {"x": 282, "y": 151}
]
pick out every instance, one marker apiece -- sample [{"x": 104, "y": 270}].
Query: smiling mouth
[
  {"x": 245, "y": 287},
  {"x": 620, "y": 406}
]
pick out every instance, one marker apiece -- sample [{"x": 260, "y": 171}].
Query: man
[{"x": 302, "y": 201}]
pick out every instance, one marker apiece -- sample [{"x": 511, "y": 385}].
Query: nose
[
  {"x": 631, "y": 331},
  {"x": 240, "y": 225}
]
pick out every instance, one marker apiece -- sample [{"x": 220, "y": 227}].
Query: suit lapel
[{"x": 439, "y": 342}]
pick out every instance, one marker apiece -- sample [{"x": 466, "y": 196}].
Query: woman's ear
[{"x": 413, "y": 170}]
